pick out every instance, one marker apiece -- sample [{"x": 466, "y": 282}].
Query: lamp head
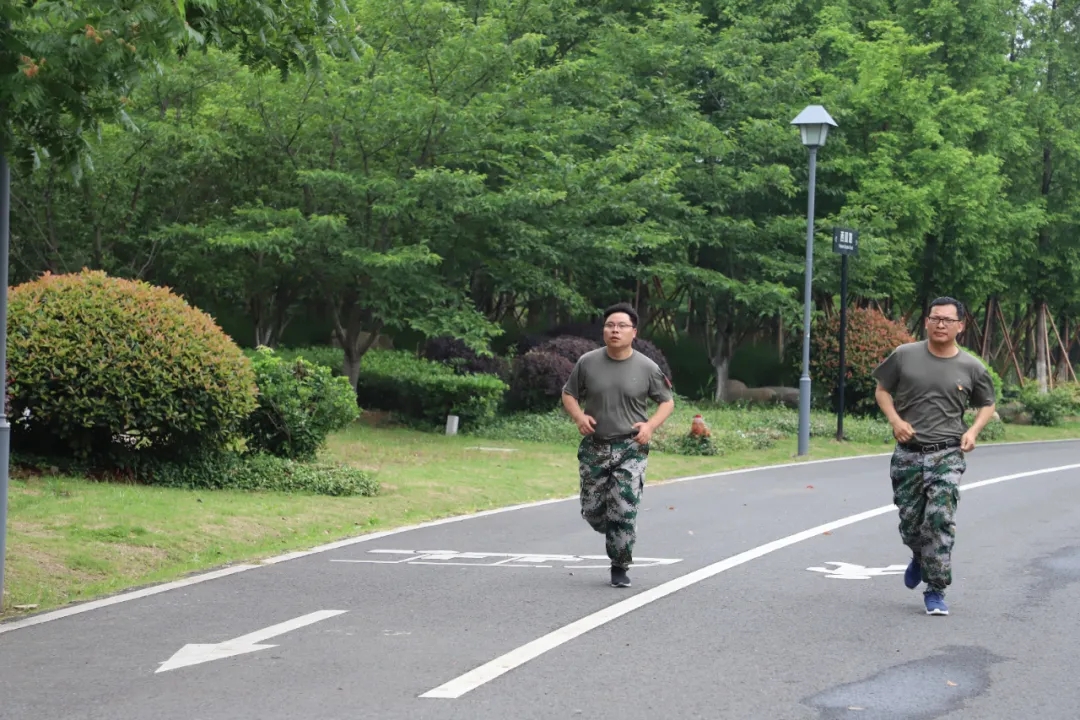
[{"x": 814, "y": 123}]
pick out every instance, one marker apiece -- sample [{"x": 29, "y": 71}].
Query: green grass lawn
[{"x": 72, "y": 539}]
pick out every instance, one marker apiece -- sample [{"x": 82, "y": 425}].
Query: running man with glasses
[
  {"x": 615, "y": 382},
  {"x": 924, "y": 389}
]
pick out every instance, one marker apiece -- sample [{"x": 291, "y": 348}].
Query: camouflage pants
[
  {"x": 612, "y": 479},
  {"x": 925, "y": 491}
]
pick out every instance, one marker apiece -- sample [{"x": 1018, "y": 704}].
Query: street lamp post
[
  {"x": 5, "y": 430},
  {"x": 814, "y": 123}
]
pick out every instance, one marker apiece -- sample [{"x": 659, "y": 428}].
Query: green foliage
[
  {"x": 300, "y": 404},
  {"x": 994, "y": 430},
  {"x": 325, "y": 356},
  {"x": 103, "y": 368},
  {"x": 732, "y": 429},
  {"x": 687, "y": 444},
  {"x": 1047, "y": 408},
  {"x": 68, "y": 66},
  {"x": 463, "y": 359},
  {"x": 999, "y": 386},
  {"x": 458, "y": 169},
  {"x": 870, "y": 338},
  {"x": 400, "y": 382},
  {"x": 258, "y": 472},
  {"x": 759, "y": 365},
  {"x": 1071, "y": 391}
]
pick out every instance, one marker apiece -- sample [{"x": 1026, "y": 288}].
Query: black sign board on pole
[{"x": 845, "y": 243}]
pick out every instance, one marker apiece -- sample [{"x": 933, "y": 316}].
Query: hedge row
[{"x": 399, "y": 381}]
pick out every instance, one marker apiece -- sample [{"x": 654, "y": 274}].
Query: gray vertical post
[
  {"x": 5, "y": 429},
  {"x": 843, "y": 344},
  {"x": 804, "y": 380}
]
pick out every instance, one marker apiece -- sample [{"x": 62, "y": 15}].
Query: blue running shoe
[
  {"x": 913, "y": 574},
  {"x": 935, "y": 604}
]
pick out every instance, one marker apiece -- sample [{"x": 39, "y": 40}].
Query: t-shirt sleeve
[
  {"x": 888, "y": 372},
  {"x": 659, "y": 386},
  {"x": 575, "y": 384},
  {"x": 982, "y": 391}
]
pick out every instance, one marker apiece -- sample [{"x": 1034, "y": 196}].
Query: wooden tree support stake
[
  {"x": 1008, "y": 341},
  {"x": 1064, "y": 350}
]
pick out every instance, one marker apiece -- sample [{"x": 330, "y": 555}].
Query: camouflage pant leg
[
  {"x": 612, "y": 479},
  {"x": 925, "y": 491}
]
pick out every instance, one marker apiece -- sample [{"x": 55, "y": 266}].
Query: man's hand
[
  {"x": 586, "y": 424},
  {"x": 985, "y": 415},
  {"x": 644, "y": 433},
  {"x": 902, "y": 430}
]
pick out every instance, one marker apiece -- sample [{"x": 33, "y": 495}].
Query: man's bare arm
[
  {"x": 902, "y": 429},
  {"x": 645, "y": 430},
  {"x": 586, "y": 423},
  {"x": 982, "y": 417}
]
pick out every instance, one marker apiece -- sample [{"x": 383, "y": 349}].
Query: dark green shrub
[
  {"x": 103, "y": 368},
  {"x": 537, "y": 381},
  {"x": 1071, "y": 392},
  {"x": 323, "y": 355},
  {"x": 398, "y": 381},
  {"x": 871, "y": 337},
  {"x": 1046, "y": 409},
  {"x": 463, "y": 359},
  {"x": 300, "y": 403},
  {"x": 759, "y": 365},
  {"x": 258, "y": 472}
]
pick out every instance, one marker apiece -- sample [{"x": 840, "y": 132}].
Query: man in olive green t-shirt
[
  {"x": 924, "y": 389},
  {"x": 615, "y": 382}
]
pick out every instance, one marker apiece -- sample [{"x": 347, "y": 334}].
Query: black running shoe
[{"x": 619, "y": 577}]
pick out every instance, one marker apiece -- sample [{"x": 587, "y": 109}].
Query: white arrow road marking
[
  {"x": 850, "y": 571},
  {"x": 497, "y": 559},
  {"x": 199, "y": 653}
]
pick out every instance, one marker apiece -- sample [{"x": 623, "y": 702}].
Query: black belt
[
  {"x": 614, "y": 439},
  {"x": 930, "y": 447}
]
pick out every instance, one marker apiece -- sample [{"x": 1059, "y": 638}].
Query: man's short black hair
[
  {"x": 948, "y": 301},
  {"x": 622, "y": 308}
]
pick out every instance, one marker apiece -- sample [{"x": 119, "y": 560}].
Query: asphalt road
[{"x": 727, "y": 620}]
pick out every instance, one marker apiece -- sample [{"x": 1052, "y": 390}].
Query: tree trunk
[
  {"x": 721, "y": 362},
  {"x": 349, "y": 322},
  {"x": 780, "y": 336},
  {"x": 1042, "y": 352}
]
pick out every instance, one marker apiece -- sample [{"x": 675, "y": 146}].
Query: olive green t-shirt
[
  {"x": 932, "y": 393},
  {"x": 616, "y": 391}
]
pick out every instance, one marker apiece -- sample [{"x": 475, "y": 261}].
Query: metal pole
[
  {"x": 804, "y": 381},
  {"x": 5, "y": 429},
  {"x": 843, "y": 344}
]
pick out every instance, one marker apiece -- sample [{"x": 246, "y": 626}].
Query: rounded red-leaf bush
[
  {"x": 870, "y": 338},
  {"x": 567, "y": 346},
  {"x": 537, "y": 380},
  {"x": 594, "y": 332},
  {"x": 104, "y": 369},
  {"x": 463, "y": 359}
]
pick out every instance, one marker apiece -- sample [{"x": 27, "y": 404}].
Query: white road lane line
[{"x": 515, "y": 658}]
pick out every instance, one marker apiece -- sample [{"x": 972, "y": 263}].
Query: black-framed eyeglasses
[{"x": 942, "y": 320}]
